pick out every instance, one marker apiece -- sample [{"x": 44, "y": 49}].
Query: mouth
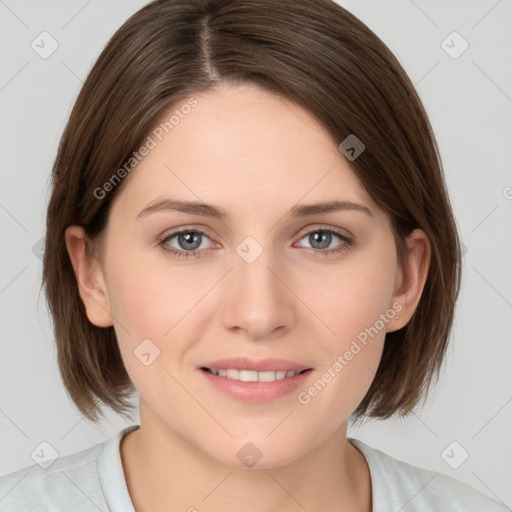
[
  {"x": 255, "y": 381},
  {"x": 254, "y": 376}
]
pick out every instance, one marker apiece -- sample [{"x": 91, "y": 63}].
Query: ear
[
  {"x": 89, "y": 276},
  {"x": 410, "y": 279}
]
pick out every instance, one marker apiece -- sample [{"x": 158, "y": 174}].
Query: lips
[{"x": 255, "y": 381}]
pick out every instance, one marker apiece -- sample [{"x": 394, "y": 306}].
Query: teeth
[
  {"x": 233, "y": 374},
  {"x": 252, "y": 376},
  {"x": 245, "y": 376}
]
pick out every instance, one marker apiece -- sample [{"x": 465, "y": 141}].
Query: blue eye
[
  {"x": 188, "y": 239},
  {"x": 190, "y": 242},
  {"x": 325, "y": 239}
]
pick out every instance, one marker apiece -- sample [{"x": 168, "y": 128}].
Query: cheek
[
  {"x": 352, "y": 303},
  {"x": 135, "y": 300},
  {"x": 153, "y": 299},
  {"x": 351, "y": 296},
  {"x": 150, "y": 297},
  {"x": 146, "y": 301}
]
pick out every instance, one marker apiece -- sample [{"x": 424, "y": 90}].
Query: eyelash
[{"x": 348, "y": 242}]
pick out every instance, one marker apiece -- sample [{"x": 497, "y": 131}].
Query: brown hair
[{"x": 312, "y": 52}]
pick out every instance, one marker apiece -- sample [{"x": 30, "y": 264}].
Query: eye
[
  {"x": 188, "y": 241},
  {"x": 321, "y": 239}
]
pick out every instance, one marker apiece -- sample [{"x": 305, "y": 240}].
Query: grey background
[{"x": 469, "y": 102}]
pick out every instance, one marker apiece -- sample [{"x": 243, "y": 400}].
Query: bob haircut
[{"x": 313, "y": 52}]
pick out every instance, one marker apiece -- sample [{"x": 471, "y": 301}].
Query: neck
[{"x": 163, "y": 468}]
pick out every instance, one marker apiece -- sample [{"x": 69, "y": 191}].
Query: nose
[{"x": 259, "y": 300}]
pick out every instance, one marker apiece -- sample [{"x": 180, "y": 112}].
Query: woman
[{"x": 248, "y": 226}]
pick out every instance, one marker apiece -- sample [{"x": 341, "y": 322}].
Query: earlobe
[
  {"x": 89, "y": 276},
  {"x": 411, "y": 279}
]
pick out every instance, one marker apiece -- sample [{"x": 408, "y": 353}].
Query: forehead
[{"x": 245, "y": 149}]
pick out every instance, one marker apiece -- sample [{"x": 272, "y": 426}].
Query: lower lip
[{"x": 256, "y": 392}]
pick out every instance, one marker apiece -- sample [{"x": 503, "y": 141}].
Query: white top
[{"x": 93, "y": 480}]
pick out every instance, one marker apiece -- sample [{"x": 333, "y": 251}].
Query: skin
[{"x": 256, "y": 155}]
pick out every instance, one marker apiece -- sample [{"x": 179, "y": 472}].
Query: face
[{"x": 316, "y": 290}]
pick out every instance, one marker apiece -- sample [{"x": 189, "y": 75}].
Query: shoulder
[
  {"x": 402, "y": 486},
  {"x": 68, "y": 482}
]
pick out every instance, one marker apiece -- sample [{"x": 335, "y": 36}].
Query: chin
[{"x": 247, "y": 454}]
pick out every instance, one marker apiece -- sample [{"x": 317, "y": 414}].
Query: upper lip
[{"x": 261, "y": 365}]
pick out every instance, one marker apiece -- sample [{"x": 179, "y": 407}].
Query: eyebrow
[{"x": 209, "y": 210}]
